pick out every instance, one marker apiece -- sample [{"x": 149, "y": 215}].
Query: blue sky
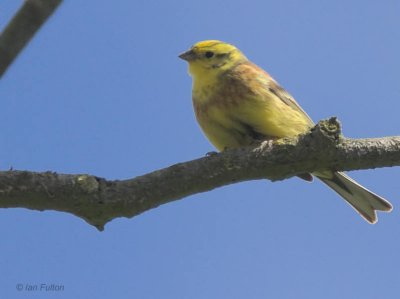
[{"x": 100, "y": 90}]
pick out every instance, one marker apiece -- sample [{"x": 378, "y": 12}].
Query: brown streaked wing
[{"x": 285, "y": 97}]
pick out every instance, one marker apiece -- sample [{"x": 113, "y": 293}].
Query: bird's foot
[{"x": 211, "y": 154}]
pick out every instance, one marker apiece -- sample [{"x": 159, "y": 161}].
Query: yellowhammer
[{"x": 236, "y": 103}]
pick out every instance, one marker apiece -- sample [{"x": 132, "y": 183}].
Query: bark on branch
[
  {"x": 98, "y": 200},
  {"x": 26, "y": 22}
]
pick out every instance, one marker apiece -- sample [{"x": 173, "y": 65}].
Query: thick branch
[
  {"x": 27, "y": 21},
  {"x": 98, "y": 201}
]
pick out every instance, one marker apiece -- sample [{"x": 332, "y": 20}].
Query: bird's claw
[
  {"x": 263, "y": 146},
  {"x": 210, "y": 154}
]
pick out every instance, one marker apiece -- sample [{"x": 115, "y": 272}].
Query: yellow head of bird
[{"x": 211, "y": 57}]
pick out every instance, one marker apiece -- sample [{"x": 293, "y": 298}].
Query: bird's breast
[{"x": 216, "y": 114}]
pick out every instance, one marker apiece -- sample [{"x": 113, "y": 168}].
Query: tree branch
[
  {"x": 26, "y": 22},
  {"x": 98, "y": 201}
]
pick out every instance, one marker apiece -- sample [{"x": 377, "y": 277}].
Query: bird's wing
[
  {"x": 264, "y": 105},
  {"x": 285, "y": 97},
  {"x": 254, "y": 77}
]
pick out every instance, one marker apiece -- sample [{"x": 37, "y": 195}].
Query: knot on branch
[
  {"x": 323, "y": 138},
  {"x": 329, "y": 129},
  {"x": 324, "y": 135},
  {"x": 87, "y": 183}
]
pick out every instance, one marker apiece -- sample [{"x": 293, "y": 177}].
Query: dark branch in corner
[
  {"x": 98, "y": 201},
  {"x": 26, "y": 22}
]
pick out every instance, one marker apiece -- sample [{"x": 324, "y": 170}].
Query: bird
[{"x": 237, "y": 103}]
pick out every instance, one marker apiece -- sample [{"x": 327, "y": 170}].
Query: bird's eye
[{"x": 209, "y": 54}]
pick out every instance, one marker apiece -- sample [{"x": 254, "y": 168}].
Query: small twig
[{"x": 23, "y": 26}]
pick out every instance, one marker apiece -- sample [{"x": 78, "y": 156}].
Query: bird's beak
[{"x": 188, "y": 55}]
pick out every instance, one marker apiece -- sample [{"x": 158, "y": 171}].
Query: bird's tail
[{"x": 365, "y": 202}]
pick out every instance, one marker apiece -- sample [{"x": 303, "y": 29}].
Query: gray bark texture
[{"x": 98, "y": 201}]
